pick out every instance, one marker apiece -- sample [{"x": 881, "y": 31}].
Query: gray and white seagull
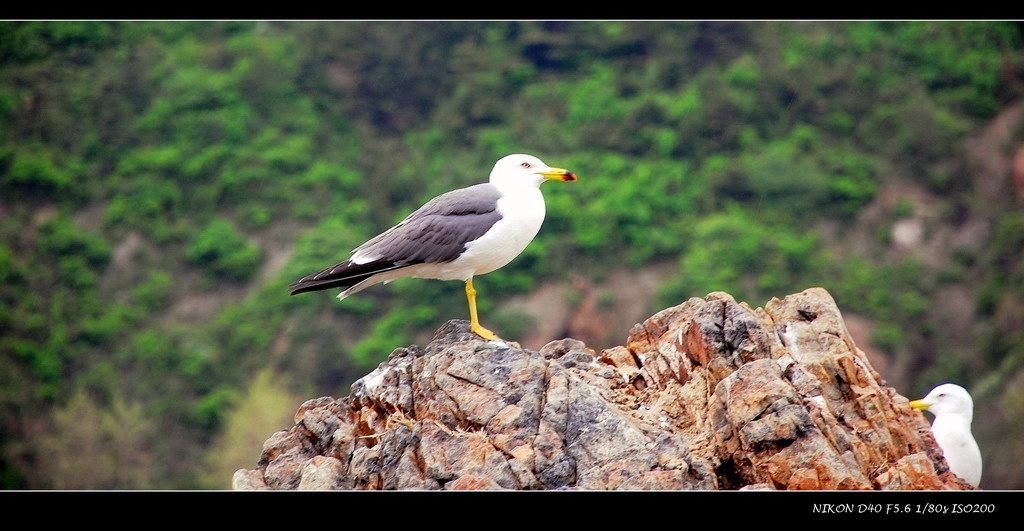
[{"x": 454, "y": 236}]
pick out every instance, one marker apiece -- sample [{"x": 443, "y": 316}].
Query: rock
[
  {"x": 322, "y": 473},
  {"x": 709, "y": 394},
  {"x": 248, "y": 480}
]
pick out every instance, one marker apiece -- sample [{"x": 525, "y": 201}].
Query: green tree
[{"x": 223, "y": 252}]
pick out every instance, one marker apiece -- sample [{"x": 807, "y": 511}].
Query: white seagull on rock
[
  {"x": 454, "y": 236},
  {"x": 953, "y": 410}
]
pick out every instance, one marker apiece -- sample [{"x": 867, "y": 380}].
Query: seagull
[
  {"x": 953, "y": 410},
  {"x": 454, "y": 236}
]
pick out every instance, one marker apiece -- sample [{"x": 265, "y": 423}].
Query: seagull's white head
[
  {"x": 947, "y": 399},
  {"x": 525, "y": 171}
]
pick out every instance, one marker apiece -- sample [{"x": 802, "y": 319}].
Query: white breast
[
  {"x": 522, "y": 215},
  {"x": 959, "y": 447}
]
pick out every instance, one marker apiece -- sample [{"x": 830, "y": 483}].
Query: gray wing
[
  {"x": 439, "y": 230},
  {"x": 436, "y": 233}
]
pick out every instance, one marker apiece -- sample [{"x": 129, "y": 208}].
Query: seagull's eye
[{"x": 526, "y": 165}]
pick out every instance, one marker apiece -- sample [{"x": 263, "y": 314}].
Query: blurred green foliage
[
  {"x": 733, "y": 252},
  {"x": 223, "y": 252},
  {"x": 239, "y": 156}
]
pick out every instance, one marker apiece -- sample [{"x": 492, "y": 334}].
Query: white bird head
[
  {"x": 520, "y": 171},
  {"x": 947, "y": 399}
]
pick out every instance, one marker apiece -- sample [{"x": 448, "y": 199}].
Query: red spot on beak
[{"x": 570, "y": 176}]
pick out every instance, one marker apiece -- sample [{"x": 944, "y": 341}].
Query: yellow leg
[{"x": 474, "y": 323}]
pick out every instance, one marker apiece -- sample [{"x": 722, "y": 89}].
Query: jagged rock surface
[{"x": 710, "y": 394}]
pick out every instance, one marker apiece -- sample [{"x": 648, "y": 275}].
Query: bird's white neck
[
  {"x": 952, "y": 420},
  {"x": 513, "y": 188}
]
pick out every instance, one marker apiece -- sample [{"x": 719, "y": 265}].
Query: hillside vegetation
[{"x": 162, "y": 182}]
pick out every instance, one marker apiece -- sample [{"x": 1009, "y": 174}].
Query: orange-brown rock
[{"x": 709, "y": 394}]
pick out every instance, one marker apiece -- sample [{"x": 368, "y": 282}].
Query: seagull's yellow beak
[
  {"x": 919, "y": 405},
  {"x": 558, "y": 174}
]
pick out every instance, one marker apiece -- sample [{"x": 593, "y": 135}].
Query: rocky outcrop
[{"x": 710, "y": 394}]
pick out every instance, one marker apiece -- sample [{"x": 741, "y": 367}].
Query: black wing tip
[
  {"x": 300, "y": 286},
  {"x": 307, "y": 284},
  {"x": 351, "y": 275},
  {"x": 324, "y": 279}
]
